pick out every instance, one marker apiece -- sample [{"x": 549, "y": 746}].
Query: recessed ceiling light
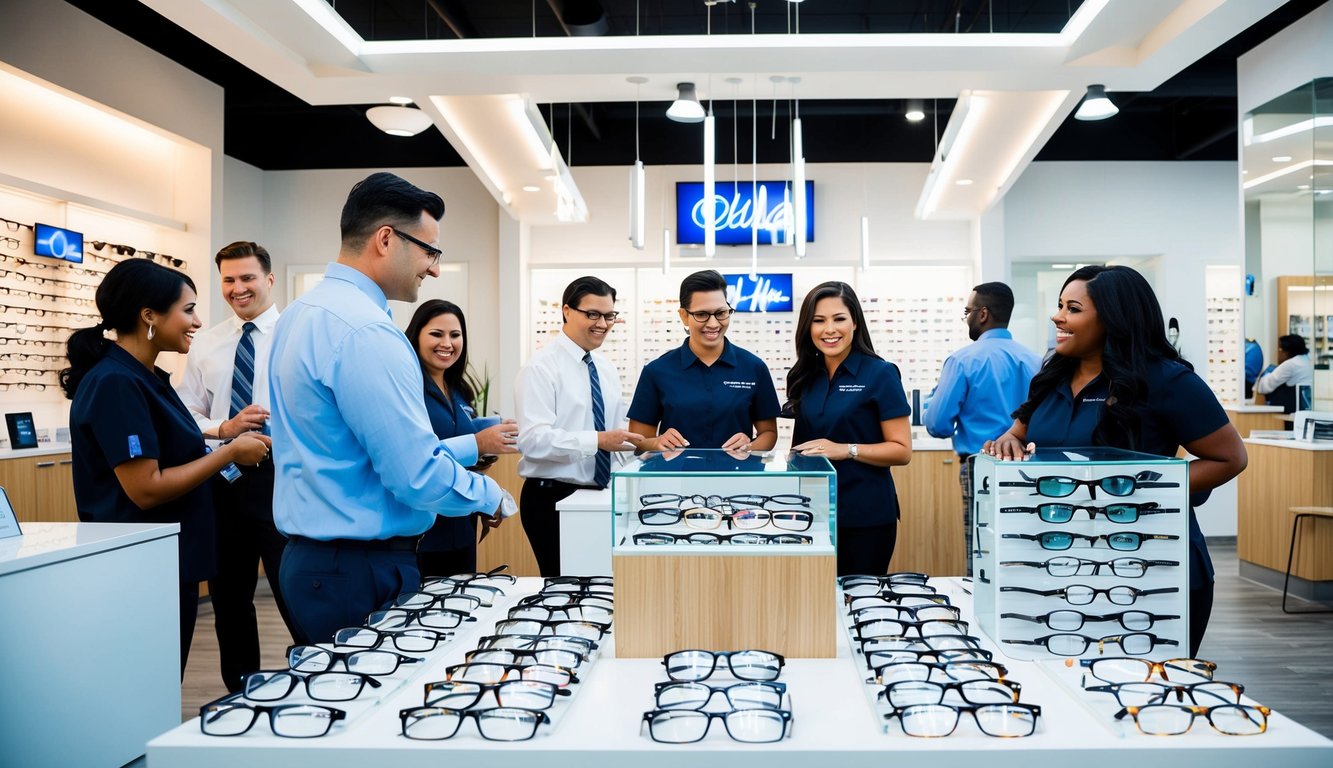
[
  {"x": 1282, "y": 158},
  {"x": 915, "y": 116},
  {"x": 1302, "y": 186},
  {"x": 1062, "y": 266},
  {"x": 1244, "y": 173},
  {"x": 964, "y": 182},
  {"x": 532, "y": 188},
  {"x": 401, "y": 100}
]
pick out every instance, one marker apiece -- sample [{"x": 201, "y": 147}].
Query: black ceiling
[{"x": 1192, "y": 116}]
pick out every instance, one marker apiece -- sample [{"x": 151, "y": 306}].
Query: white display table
[
  {"x": 91, "y": 641},
  {"x": 585, "y": 532},
  {"x": 833, "y": 725}
]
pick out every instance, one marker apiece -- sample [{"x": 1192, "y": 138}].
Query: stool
[{"x": 1300, "y": 513}]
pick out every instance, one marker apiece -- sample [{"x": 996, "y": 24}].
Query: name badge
[
  {"x": 739, "y": 384},
  {"x": 136, "y": 449},
  {"x": 851, "y": 387}
]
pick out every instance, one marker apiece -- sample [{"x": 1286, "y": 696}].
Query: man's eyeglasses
[
  {"x": 229, "y": 716},
  {"x": 595, "y": 316},
  {"x": 969, "y": 310},
  {"x": 1122, "y": 513},
  {"x": 1067, "y": 644},
  {"x": 497, "y": 724},
  {"x": 717, "y": 314},
  {"x": 1174, "y": 719},
  {"x": 1058, "y": 486},
  {"x": 1082, "y": 594},
  {"x": 935, "y": 720},
  {"x": 1126, "y": 567},
  {"x": 1124, "y": 670},
  {"x": 431, "y": 251},
  {"x": 1124, "y": 541},
  {"x": 320, "y": 686},
  {"x": 1142, "y": 694},
  {"x": 1071, "y": 620}
]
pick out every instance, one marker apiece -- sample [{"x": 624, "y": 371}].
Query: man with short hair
[
  {"x": 980, "y": 386},
  {"x": 569, "y": 407},
  {"x": 360, "y": 474},
  {"x": 225, "y": 386}
]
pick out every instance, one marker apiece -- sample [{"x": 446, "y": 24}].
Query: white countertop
[
  {"x": 42, "y": 449},
  {"x": 1295, "y": 445},
  {"x": 45, "y": 543},
  {"x": 1251, "y": 408}
]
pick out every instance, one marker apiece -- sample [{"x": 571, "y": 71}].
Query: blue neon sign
[
  {"x": 734, "y": 207},
  {"x": 764, "y": 292},
  {"x": 58, "y": 243}
]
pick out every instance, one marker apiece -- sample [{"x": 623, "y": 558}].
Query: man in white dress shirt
[
  {"x": 225, "y": 387},
  {"x": 570, "y": 411}
]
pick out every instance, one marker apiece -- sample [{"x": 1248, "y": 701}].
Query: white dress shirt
[
  {"x": 553, "y": 396},
  {"x": 1296, "y": 370},
  {"x": 206, "y": 385}
]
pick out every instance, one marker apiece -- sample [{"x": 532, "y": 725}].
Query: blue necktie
[
  {"x": 243, "y": 372},
  {"x": 602, "y": 476}
]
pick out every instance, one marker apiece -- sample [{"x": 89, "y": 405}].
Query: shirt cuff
[
  {"x": 463, "y": 448},
  {"x": 588, "y": 443}
]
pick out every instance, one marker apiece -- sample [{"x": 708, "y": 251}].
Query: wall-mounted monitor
[
  {"x": 734, "y": 207},
  {"x": 764, "y": 292},
  {"x": 58, "y": 243}
]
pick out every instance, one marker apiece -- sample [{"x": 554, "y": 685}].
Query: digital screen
[
  {"x": 58, "y": 243},
  {"x": 734, "y": 209},
  {"x": 764, "y": 292}
]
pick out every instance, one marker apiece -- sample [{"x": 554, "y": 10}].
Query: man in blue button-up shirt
[
  {"x": 980, "y": 386},
  {"x": 359, "y": 473}
]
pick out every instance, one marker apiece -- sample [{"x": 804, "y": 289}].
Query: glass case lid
[
  {"x": 1099, "y": 453},
  {"x": 718, "y": 461}
]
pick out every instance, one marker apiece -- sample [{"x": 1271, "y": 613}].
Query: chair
[{"x": 1301, "y": 513}]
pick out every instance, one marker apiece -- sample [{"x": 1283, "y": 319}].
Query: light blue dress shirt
[
  {"x": 980, "y": 385},
  {"x": 353, "y": 449}
]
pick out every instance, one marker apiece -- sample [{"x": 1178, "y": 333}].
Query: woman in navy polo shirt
[
  {"x": 138, "y": 454},
  {"x": 1115, "y": 380},
  {"x": 850, "y": 407},
  {"x": 707, "y": 393},
  {"x": 439, "y": 333}
]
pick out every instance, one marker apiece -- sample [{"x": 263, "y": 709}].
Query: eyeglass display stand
[
  {"x": 724, "y": 596},
  {"x": 991, "y": 493}
]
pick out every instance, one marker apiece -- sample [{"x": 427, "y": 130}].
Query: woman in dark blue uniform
[
  {"x": 1115, "y": 380},
  {"x": 138, "y": 454},
  {"x": 850, "y": 407},
  {"x": 439, "y": 333},
  {"x": 708, "y": 392}
]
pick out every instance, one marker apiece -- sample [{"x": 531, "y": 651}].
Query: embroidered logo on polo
[
  {"x": 1094, "y": 399},
  {"x": 738, "y": 384},
  {"x": 851, "y": 387}
]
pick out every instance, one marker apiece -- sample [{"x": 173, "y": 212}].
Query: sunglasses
[{"x": 1059, "y": 486}]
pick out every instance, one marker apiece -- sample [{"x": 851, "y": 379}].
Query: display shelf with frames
[
  {"x": 998, "y": 485},
  {"x": 1224, "y": 334}
]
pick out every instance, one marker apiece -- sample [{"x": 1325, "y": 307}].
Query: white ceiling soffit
[{"x": 1128, "y": 45}]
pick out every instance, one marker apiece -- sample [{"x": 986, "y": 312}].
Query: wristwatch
[{"x": 853, "y": 450}]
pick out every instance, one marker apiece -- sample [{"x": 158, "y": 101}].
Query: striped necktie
[
  {"x": 602, "y": 476},
  {"x": 243, "y": 372}
]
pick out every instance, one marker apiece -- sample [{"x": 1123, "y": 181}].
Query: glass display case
[
  {"x": 1081, "y": 552},
  {"x": 699, "y": 501}
]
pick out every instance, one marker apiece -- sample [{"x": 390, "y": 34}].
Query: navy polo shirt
[
  {"x": 849, "y": 408},
  {"x": 1180, "y": 409},
  {"x": 707, "y": 404},
  {"x": 123, "y": 411},
  {"x": 449, "y": 417}
]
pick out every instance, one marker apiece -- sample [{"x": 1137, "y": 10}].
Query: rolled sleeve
[{"x": 890, "y": 400}]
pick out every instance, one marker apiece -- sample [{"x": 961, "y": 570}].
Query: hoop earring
[{"x": 151, "y": 332}]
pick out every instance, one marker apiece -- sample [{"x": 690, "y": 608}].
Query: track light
[
  {"x": 686, "y": 108},
  {"x": 1096, "y": 106}
]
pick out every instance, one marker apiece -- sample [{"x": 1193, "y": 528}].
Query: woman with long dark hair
[
  {"x": 438, "y": 332},
  {"x": 850, "y": 408},
  {"x": 138, "y": 454},
  {"x": 1115, "y": 380}
]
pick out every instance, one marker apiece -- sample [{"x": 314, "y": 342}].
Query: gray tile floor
[{"x": 1282, "y": 660}]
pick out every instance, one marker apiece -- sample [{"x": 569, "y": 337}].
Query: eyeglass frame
[
  {"x": 720, "y": 315},
  {"x": 235, "y": 701},
  {"x": 1158, "y": 667},
  {"x": 776, "y": 686},
  {"x": 305, "y": 677},
  {"x": 390, "y": 636},
  {"x": 464, "y": 714},
  {"x": 1140, "y": 509},
  {"x": 1015, "y": 689},
  {"x": 1181, "y": 690},
  {"x": 1032, "y": 709},
  {"x": 1092, "y": 485},
  {"x": 431, "y": 251},
  {"x": 1195, "y": 713},
  {"x": 1089, "y": 618},
  {"x": 1045, "y": 539},
  {"x": 596, "y": 317},
  {"x": 1000, "y": 670},
  {"x": 730, "y": 668},
  {"x": 1045, "y": 641},
  {"x": 1096, "y": 564},
  {"x": 1063, "y": 592},
  {"x": 343, "y": 657},
  {"x": 649, "y": 716},
  {"x": 492, "y": 688}
]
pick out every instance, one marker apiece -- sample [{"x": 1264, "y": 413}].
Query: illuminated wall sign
[
  {"x": 763, "y": 292},
  {"x": 734, "y": 208},
  {"x": 58, "y": 243}
]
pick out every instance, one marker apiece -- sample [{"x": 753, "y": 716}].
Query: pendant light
[
  {"x": 710, "y": 183},
  {"x": 686, "y": 108},
  {"x": 798, "y": 174},
  {"x": 1096, "y": 105},
  {"x": 636, "y": 177}
]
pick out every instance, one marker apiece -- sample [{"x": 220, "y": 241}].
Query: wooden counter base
[{"x": 1277, "y": 479}]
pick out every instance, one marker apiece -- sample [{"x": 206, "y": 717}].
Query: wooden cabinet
[
  {"x": 930, "y": 532},
  {"x": 41, "y": 488}
]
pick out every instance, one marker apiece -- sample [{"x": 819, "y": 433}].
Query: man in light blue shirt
[
  {"x": 980, "y": 386},
  {"x": 360, "y": 474}
]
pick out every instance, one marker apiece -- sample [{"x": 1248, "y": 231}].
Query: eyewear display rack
[
  {"x": 733, "y": 593},
  {"x": 1226, "y": 343},
  {"x": 1128, "y": 528},
  {"x": 602, "y": 725}
]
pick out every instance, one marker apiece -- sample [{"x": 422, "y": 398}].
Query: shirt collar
[
  {"x": 853, "y": 362},
  {"x": 996, "y": 333},
  {"x": 688, "y": 358},
  {"x": 118, "y": 354},
  {"x": 264, "y": 323},
  {"x": 569, "y": 347},
  {"x": 362, "y": 282}
]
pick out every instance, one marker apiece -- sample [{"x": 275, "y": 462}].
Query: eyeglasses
[
  {"x": 1123, "y": 512},
  {"x": 1070, "y": 620},
  {"x": 748, "y": 499},
  {"x": 1056, "y": 486},
  {"x": 747, "y": 695},
  {"x": 1066, "y": 644},
  {"x": 906, "y": 693},
  {"x": 524, "y": 694},
  {"x": 935, "y": 720},
  {"x": 589, "y": 629},
  {"x": 5, "y": 387},
  {"x": 312, "y": 658},
  {"x": 579, "y": 585},
  {"x": 431, "y": 251},
  {"x": 486, "y": 594},
  {"x": 10, "y": 243},
  {"x": 717, "y": 314},
  {"x": 230, "y": 717},
  {"x": 1174, "y": 719},
  {"x": 864, "y": 630},
  {"x": 926, "y": 643},
  {"x": 568, "y": 600},
  {"x": 743, "y": 539},
  {"x": 433, "y": 618},
  {"x": 166, "y": 258},
  {"x": 757, "y": 500},
  {"x": 410, "y": 640},
  {"x": 908, "y": 613},
  {"x": 597, "y": 613},
  {"x": 882, "y": 581},
  {"x": 595, "y": 316},
  {"x": 320, "y": 686},
  {"x": 950, "y": 671},
  {"x": 456, "y": 601},
  {"x": 1207, "y": 693},
  {"x": 1124, "y": 541},
  {"x": 921, "y": 653},
  {"x": 1124, "y": 670},
  {"x": 969, "y": 310},
  {"x": 694, "y": 665},
  {"x": 496, "y": 724},
  {"x": 494, "y": 577},
  {"x": 1126, "y": 567},
  {"x": 745, "y": 519},
  {"x": 490, "y": 672},
  {"x": 555, "y": 657},
  {"x": 857, "y": 602},
  {"x": 580, "y": 645},
  {"x": 1082, "y": 594},
  {"x": 686, "y": 726}
]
